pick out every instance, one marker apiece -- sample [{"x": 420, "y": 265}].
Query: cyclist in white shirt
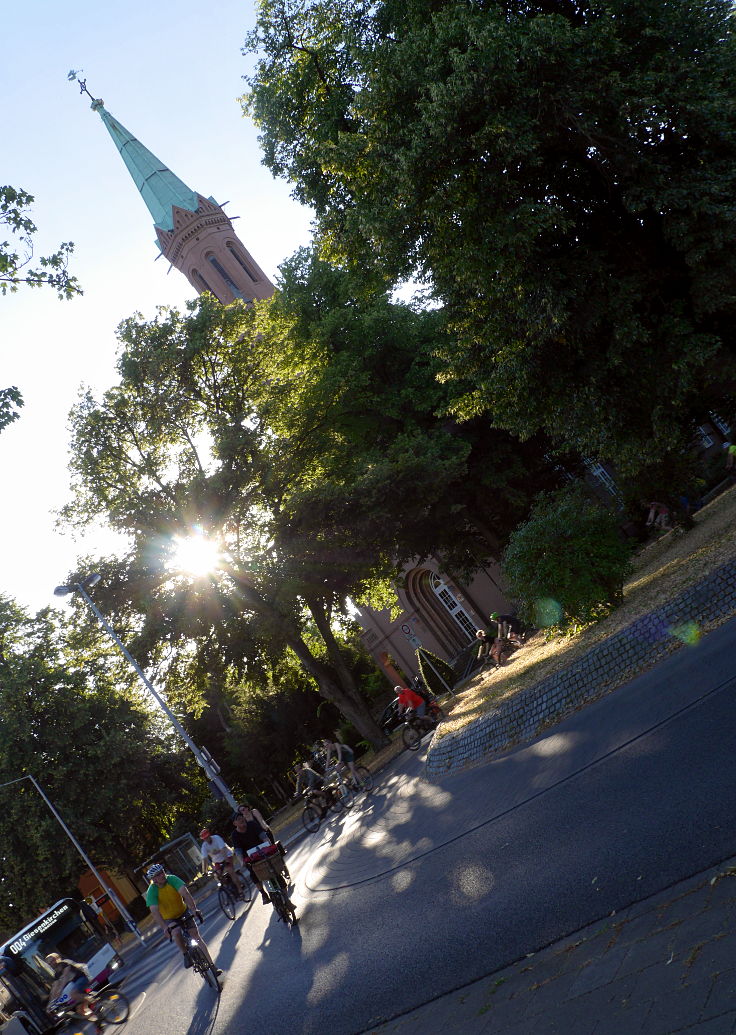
[{"x": 220, "y": 855}]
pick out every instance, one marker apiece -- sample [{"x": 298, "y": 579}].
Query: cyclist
[
  {"x": 253, "y": 814},
  {"x": 173, "y": 908},
  {"x": 76, "y": 977},
  {"x": 308, "y": 779},
  {"x": 249, "y": 833},
  {"x": 215, "y": 851},
  {"x": 507, "y": 626},
  {"x": 343, "y": 756},
  {"x": 410, "y": 699}
]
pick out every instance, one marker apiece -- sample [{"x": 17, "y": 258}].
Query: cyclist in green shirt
[{"x": 174, "y": 909}]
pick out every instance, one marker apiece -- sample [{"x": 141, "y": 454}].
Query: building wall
[{"x": 439, "y": 612}]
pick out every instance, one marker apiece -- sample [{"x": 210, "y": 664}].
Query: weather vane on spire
[{"x": 73, "y": 77}]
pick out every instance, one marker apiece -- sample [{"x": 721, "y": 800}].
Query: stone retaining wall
[{"x": 610, "y": 664}]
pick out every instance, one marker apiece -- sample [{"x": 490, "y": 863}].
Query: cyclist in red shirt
[{"x": 409, "y": 699}]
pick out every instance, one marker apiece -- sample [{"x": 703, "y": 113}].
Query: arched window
[
  {"x": 225, "y": 276},
  {"x": 201, "y": 282},
  {"x": 241, "y": 261}
]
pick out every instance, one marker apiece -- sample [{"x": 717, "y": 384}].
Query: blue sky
[{"x": 171, "y": 72}]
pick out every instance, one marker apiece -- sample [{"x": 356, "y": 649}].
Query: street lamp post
[
  {"x": 116, "y": 901},
  {"x": 202, "y": 756}
]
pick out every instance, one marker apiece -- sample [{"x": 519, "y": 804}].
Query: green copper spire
[{"x": 159, "y": 187}]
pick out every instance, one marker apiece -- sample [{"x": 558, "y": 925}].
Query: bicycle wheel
[
  {"x": 411, "y": 737},
  {"x": 277, "y": 901},
  {"x": 311, "y": 818},
  {"x": 227, "y": 902},
  {"x": 201, "y": 964},
  {"x": 366, "y": 778},
  {"x": 111, "y": 1006}
]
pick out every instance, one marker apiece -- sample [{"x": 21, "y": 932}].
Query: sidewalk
[{"x": 667, "y": 964}]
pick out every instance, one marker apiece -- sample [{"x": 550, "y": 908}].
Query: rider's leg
[
  {"x": 178, "y": 936},
  {"x": 82, "y": 1006},
  {"x": 264, "y": 894},
  {"x": 194, "y": 932},
  {"x": 234, "y": 875}
]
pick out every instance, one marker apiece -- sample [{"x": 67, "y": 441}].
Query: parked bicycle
[
  {"x": 200, "y": 963},
  {"x": 228, "y": 895},
  {"x": 268, "y": 867},
  {"x": 417, "y": 726},
  {"x": 108, "y": 1005}
]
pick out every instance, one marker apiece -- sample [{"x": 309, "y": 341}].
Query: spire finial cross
[{"x": 73, "y": 76}]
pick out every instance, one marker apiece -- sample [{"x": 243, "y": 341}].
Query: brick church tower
[{"x": 193, "y": 232}]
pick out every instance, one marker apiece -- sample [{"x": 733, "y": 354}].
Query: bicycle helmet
[
  {"x": 398, "y": 689},
  {"x": 153, "y": 870}
]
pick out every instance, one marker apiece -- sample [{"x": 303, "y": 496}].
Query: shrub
[
  {"x": 567, "y": 563},
  {"x": 431, "y": 668}
]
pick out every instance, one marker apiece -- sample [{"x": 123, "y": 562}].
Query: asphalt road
[{"x": 425, "y": 887}]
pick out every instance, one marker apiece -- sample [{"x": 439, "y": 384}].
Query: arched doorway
[{"x": 452, "y": 625}]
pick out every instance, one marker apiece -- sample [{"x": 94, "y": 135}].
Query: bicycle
[
  {"x": 365, "y": 781},
  {"x": 316, "y": 808},
  {"x": 200, "y": 963},
  {"x": 335, "y": 795},
  {"x": 109, "y": 1006},
  {"x": 342, "y": 794},
  {"x": 416, "y": 726},
  {"x": 227, "y": 894},
  {"x": 268, "y": 866}
]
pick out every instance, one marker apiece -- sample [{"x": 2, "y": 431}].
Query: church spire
[
  {"x": 193, "y": 232},
  {"x": 158, "y": 186}
]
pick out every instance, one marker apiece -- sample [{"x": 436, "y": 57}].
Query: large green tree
[
  {"x": 71, "y": 719},
  {"x": 304, "y": 434},
  {"x": 561, "y": 172},
  {"x": 179, "y": 443}
]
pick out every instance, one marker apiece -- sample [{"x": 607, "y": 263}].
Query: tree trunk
[
  {"x": 348, "y": 701},
  {"x": 372, "y": 730}
]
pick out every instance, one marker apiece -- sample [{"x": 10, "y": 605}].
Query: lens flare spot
[
  {"x": 547, "y": 612},
  {"x": 688, "y": 632},
  {"x": 195, "y": 554}
]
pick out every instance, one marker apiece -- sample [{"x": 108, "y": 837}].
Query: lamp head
[{"x": 88, "y": 583}]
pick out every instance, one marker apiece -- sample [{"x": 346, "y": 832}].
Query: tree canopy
[
  {"x": 73, "y": 720},
  {"x": 560, "y": 172},
  {"x": 303, "y": 435}
]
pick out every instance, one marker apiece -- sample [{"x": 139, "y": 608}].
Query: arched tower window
[
  {"x": 240, "y": 259},
  {"x": 201, "y": 282},
  {"x": 217, "y": 265}
]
